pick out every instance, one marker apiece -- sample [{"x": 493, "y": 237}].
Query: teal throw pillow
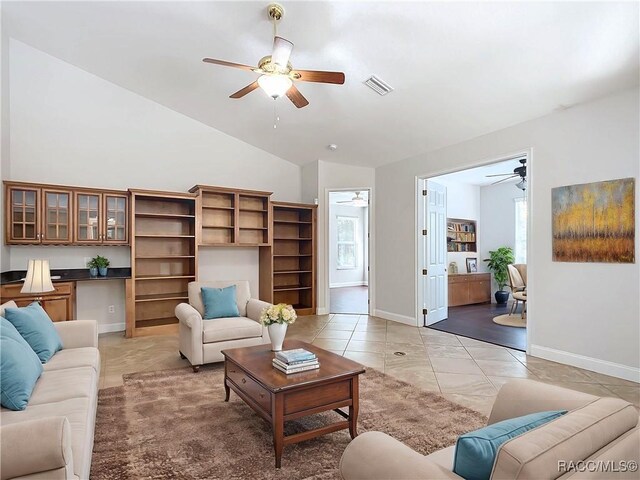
[
  {"x": 36, "y": 328},
  {"x": 20, "y": 368},
  {"x": 219, "y": 302},
  {"x": 476, "y": 451}
]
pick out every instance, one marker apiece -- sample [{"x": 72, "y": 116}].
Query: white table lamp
[{"x": 38, "y": 278}]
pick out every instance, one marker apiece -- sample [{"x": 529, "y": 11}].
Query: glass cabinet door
[
  {"x": 56, "y": 216},
  {"x": 88, "y": 228},
  {"x": 24, "y": 224},
  {"x": 115, "y": 218}
]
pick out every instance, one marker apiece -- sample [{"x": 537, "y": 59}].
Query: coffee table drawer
[
  {"x": 316, "y": 397},
  {"x": 250, "y": 387}
]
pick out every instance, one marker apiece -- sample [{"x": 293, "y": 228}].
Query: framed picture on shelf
[{"x": 472, "y": 265}]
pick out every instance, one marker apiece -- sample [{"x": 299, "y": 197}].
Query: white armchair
[{"x": 201, "y": 341}]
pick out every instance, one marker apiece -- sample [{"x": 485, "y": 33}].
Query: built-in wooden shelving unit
[
  {"x": 288, "y": 267},
  {"x": 232, "y": 217},
  {"x": 461, "y": 235},
  {"x": 164, "y": 259}
]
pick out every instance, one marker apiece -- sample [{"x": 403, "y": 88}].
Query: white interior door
[{"x": 434, "y": 282}]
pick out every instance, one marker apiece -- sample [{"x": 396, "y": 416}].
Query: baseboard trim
[
  {"x": 349, "y": 284},
  {"x": 111, "y": 327},
  {"x": 395, "y": 317},
  {"x": 322, "y": 311},
  {"x": 588, "y": 363}
]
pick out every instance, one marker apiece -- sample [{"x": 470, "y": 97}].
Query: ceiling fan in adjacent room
[
  {"x": 356, "y": 201},
  {"x": 520, "y": 171},
  {"x": 277, "y": 75}
]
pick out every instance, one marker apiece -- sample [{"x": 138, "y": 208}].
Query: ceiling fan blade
[
  {"x": 228, "y": 64},
  {"x": 319, "y": 76},
  {"x": 296, "y": 97},
  {"x": 499, "y": 175},
  {"x": 243, "y": 91},
  {"x": 505, "y": 179},
  {"x": 281, "y": 51}
]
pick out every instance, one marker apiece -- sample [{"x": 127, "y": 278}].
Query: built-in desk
[
  {"x": 469, "y": 288},
  {"x": 60, "y": 304}
]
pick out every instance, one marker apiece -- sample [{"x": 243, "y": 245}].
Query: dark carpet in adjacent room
[
  {"x": 175, "y": 424},
  {"x": 476, "y": 321}
]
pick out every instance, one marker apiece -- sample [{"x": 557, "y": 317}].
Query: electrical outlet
[{"x": 112, "y": 309}]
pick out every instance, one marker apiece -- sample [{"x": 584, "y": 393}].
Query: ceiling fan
[
  {"x": 276, "y": 72},
  {"x": 356, "y": 201},
  {"x": 520, "y": 171}
]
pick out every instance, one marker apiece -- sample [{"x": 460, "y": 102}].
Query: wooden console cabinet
[
  {"x": 60, "y": 304},
  {"x": 469, "y": 288}
]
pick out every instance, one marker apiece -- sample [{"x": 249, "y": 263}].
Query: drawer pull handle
[{"x": 244, "y": 380}]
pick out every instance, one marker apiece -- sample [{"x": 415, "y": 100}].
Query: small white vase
[{"x": 277, "y": 331}]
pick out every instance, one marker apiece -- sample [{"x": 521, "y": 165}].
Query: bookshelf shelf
[{"x": 461, "y": 235}]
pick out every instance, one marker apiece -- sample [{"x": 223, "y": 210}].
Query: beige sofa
[
  {"x": 53, "y": 437},
  {"x": 201, "y": 341},
  {"x": 595, "y": 429}
]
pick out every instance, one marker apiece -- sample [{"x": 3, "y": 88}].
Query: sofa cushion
[
  {"x": 219, "y": 302},
  {"x": 243, "y": 293},
  {"x": 36, "y": 327},
  {"x": 59, "y": 385},
  {"x": 476, "y": 451},
  {"x": 573, "y": 437},
  {"x": 75, "y": 357},
  {"x": 443, "y": 457},
  {"x": 233, "y": 328},
  {"x": 20, "y": 368},
  {"x": 9, "y": 304},
  {"x": 80, "y": 412}
]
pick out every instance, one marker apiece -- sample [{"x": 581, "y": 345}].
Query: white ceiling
[
  {"x": 478, "y": 175},
  {"x": 335, "y": 197},
  {"x": 459, "y": 69}
]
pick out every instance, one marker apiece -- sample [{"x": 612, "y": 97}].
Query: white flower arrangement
[{"x": 280, "y": 313}]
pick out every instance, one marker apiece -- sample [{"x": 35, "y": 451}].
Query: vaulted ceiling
[{"x": 459, "y": 70}]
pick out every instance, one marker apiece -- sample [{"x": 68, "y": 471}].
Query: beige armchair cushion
[
  {"x": 232, "y": 328},
  {"x": 9, "y": 304},
  {"x": 243, "y": 293}
]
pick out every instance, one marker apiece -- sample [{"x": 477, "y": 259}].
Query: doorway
[
  {"x": 486, "y": 209},
  {"x": 348, "y": 259}
]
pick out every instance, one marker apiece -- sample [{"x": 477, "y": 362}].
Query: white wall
[
  {"x": 70, "y": 127},
  {"x": 599, "y": 327},
  {"x": 463, "y": 202},
  {"x": 353, "y": 276},
  {"x": 339, "y": 176},
  {"x": 498, "y": 214},
  {"x": 4, "y": 131}
]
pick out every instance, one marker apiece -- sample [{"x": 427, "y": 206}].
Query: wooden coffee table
[{"x": 278, "y": 397}]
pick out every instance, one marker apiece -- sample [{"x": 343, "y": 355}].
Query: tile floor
[{"x": 465, "y": 371}]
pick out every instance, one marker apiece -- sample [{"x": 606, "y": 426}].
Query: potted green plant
[
  {"x": 497, "y": 262},
  {"x": 100, "y": 263},
  {"x": 93, "y": 267}
]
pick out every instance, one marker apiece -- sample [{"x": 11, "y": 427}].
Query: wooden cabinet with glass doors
[{"x": 62, "y": 215}]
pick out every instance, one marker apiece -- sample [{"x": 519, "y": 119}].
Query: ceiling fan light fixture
[
  {"x": 275, "y": 85},
  {"x": 522, "y": 184}
]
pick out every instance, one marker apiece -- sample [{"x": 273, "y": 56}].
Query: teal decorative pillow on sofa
[
  {"x": 476, "y": 451},
  {"x": 20, "y": 368},
  {"x": 36, "y": 328},
  {"x": 219, "y": 302}
]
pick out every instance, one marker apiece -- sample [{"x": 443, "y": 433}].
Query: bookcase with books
[
  {"x": 288, "y": 267},
  {"x": 163, "y": 259},
  {"x": 461, "y": 235}
]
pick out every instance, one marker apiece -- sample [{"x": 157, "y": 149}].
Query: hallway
[{"x": 349, "y": 300}]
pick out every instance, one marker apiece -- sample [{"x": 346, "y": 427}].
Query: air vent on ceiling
[{"x": 377, "y": 85}]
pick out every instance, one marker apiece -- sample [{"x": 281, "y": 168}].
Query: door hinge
[
  {"x": 425, "y": 311},
  {"x": 424, "y": 271},
  {"x": 424, "y": 193},
  {"x": 424, "y": 232}
]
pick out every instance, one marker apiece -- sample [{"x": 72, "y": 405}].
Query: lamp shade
[
  {"x": 38, "y": 277},
  {"x": 275, "y": 85}
]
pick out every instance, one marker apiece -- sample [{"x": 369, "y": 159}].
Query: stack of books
[{"x": 294, "y": 361}]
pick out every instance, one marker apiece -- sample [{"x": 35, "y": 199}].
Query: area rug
[
  {"x": 511, "y": 320},
  {"x": 175, "y": 424}
]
